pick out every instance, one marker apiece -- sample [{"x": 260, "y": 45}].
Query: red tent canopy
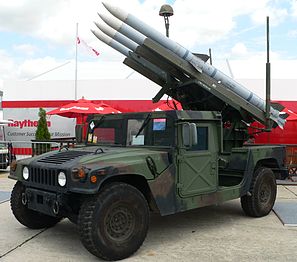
[
  {"x": 168, "y": 105},
  {"x": 82, "y": 107},
  {"x": 292, "y": 115},
  {"x": 278, "y": 135}
]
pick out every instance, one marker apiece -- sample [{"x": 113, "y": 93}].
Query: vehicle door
[{"x": 197, "y": 165}]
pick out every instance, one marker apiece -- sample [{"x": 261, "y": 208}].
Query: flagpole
[{"x": 75, "y": 81}]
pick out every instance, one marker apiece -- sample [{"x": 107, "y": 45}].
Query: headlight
[
  {"x": 62, "y": 179},
  {"x": 26, "y": 173}
]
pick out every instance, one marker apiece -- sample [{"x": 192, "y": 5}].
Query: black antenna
[
  {"x": 210, "y": 56},
  {"x": 268, "y": 78}
]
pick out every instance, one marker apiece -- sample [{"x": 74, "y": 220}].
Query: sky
[{"x": 38, "y": 37}]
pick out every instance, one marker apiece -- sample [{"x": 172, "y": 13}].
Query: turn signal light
[
  {"x": 93, "y": 179},
  {"x": 79, "y": 173}
]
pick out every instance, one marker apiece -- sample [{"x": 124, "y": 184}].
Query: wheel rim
[
  {"x": 119, "y": 223},
  {"x": 265, "y": 194}
]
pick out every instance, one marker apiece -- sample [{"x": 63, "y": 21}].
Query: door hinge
[
  {"x": 180, "y": 158},
  {"x": 179, "y": 185}
]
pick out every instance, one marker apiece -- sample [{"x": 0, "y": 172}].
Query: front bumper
[{"x": 44, "y": 202}]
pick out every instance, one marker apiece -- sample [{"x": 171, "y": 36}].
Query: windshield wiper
[
  {"x": 144, "y": 124},
  {"x": 99, "y": 122}
]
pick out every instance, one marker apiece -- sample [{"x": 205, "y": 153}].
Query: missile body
[
  {"x": 117, "y": 36},
  {"x": 126, "y": 30},
  {"x": 112, "y": 43},
  {"x": 124, "y": 45},
  {"x": 145, "y": 30}
]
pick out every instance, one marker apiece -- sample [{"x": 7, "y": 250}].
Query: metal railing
[
  {"x": 15, "y": 150},
  {"x": 291, "y": 159}
]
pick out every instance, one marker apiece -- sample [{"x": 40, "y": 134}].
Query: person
[{"x": 10, "y": 156}]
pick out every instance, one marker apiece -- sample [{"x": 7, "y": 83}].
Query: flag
[{"x": 86, "y": 46}]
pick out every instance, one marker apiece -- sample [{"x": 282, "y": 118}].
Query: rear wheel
[
  {"x": 26, "y": 216},
  {"x": 262, "y": 195},
  {"x": 114, "y": 224}
]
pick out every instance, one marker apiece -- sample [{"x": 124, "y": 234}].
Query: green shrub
[{"x": 42, "y": 133}]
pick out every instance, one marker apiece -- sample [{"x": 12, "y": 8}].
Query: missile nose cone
[
  {"x": 108, "y": 5},
  {"x": 106, "y": 29},
  {"x": 97, "y": 25},
  {"x": 112, "y": 22},
  {"x": 101, "y": 36},
  {"x": 116, "y": 11}
]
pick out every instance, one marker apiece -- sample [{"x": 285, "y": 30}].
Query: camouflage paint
[{"x": 233, "y": 170}]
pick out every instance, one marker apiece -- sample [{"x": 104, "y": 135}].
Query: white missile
[
  {"x": 109, "y": 41},
  {"x": 117, "y": 36},
  {"x": 201, "y": 66},
  {"x": 124, "y": 45},
  {"x": 126, "y": 30}
]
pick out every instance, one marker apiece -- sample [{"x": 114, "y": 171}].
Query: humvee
[
  {"x": 165, "y": 162},
  {"x": 137, "y": 163}
]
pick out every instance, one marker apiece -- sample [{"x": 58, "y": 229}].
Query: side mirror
[{"x": 190, "y": 134}]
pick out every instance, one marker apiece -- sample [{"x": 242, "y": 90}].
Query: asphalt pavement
[{"x": 216, "y": 233}]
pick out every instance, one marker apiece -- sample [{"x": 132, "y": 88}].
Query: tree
[{"x": 42, "y": 132}]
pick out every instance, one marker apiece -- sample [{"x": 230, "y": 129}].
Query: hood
[{"x": 124, "y": 160}]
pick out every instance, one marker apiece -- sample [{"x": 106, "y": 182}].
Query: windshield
[{"x": 144, "y": 131}]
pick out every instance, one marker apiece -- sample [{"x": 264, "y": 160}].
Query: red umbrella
[
  {"x": 80, "y": 110},
  {"x": 82, "y": 107}
]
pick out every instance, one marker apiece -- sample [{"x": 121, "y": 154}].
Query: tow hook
[
  {"x": 24, "y": 199},
  {"x": 56, "y": 207}
]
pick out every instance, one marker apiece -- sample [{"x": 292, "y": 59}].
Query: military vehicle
[{"x": 165, "y": 162}]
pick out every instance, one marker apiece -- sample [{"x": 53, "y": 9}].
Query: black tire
[
  {"x": 114, "y": 224},
  {"x": 25, "y": 216},
  {"x": 262, "y": 195}
]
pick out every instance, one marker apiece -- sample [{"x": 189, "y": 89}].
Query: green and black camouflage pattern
[{"x": 173, "y": 177}]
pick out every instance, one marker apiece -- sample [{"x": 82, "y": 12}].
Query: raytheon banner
[{"x": 25, "y": 121}]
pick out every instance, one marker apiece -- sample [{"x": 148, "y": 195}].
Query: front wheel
[
  {"x": 26, "y": 216},
  {"x": 114, "y": 224},
  {"x": 262, "y": 195}
]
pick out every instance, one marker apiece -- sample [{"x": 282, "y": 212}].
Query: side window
[
  {"x": 132, "y": 129},
  {"x": 157, "y": 132},
  {"x": 202, "y": 135},
  {"x": 160, "y": 132}
]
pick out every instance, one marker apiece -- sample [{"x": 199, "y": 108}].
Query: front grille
[
  {"x": 42, "y": 176},
  {"x": 62, "y": 157}
]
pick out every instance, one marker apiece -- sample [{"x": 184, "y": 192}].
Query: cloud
[
  {"x": 33, "y": 67},
  {"x": 26, "y": 49},
  {"x": 294, "y": 7},
  {"x": 200, "y": 22},
  {"x": 276, "y": 15},
  {"x": 25, "y": 16},
  {"x": 195, "y": 23},
  {"x": 7, "y": 65},
  {"x": 239, "y": 50},
  {"x": 51, "y": 20}
]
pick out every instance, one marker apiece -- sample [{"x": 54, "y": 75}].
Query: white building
[{"x": 22, "y": 99}]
